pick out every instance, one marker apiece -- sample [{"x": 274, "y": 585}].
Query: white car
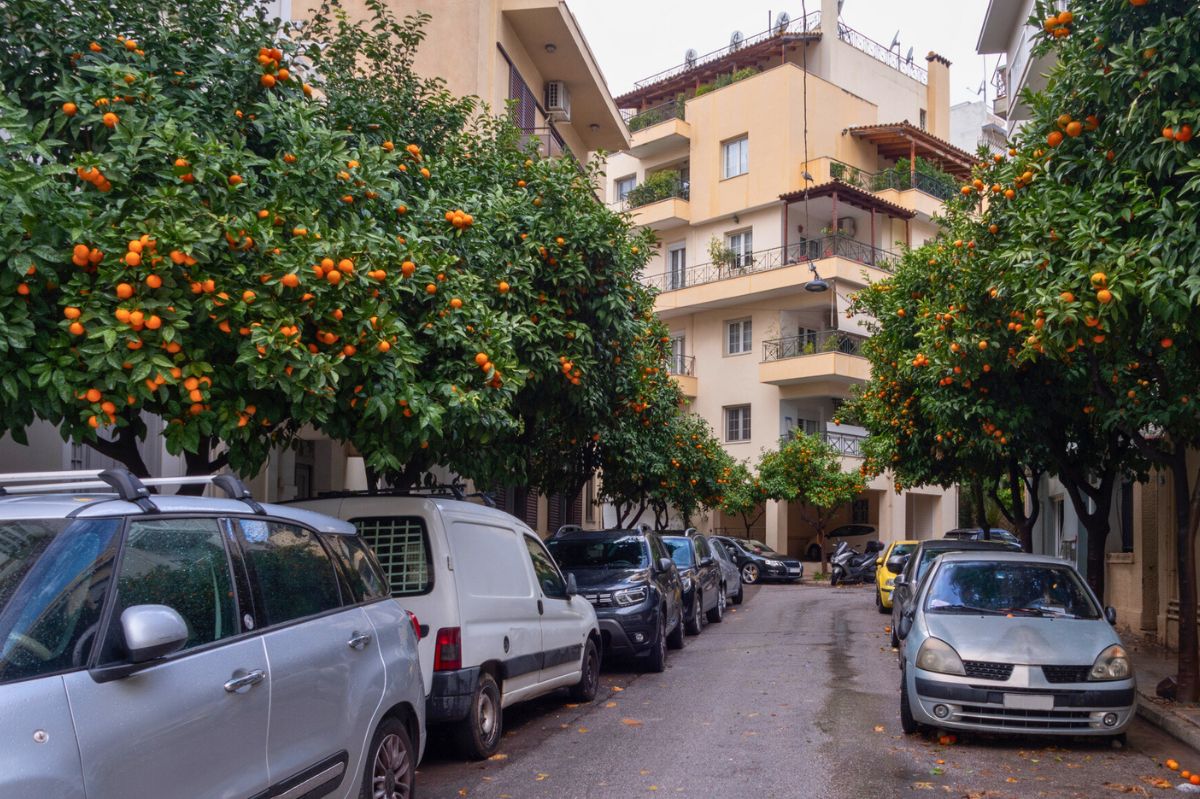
[{"x": 503, "y": 623}]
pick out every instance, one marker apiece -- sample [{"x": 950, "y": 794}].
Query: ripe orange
[
  {"x": 70, "y": 109},
  {"x": 1166, "y": 343},
  {"x": 1168, "y": 132},
  {"x": 455, "y": 303},
  {"x": 349, "y": 350},
  {"x": 268, "y": 81},
  {"x": 407, "y": 268},
  {"x": 76, "y": 329},
  {"x": 431, "y": 289},
  {"x": 1104, "y": 296},
  {"x": 154, "y": 281},
  {"x": 1067, "y": 296},
  {"x": 1054, "y": 139},
  {"x": 503, "y": 287},
  {"x": 384, "y": 346},
  {"x": 481, "y": 358},
  {"x": 345, "y": 265},
  {"x": 1172, "y": 764},
  {"x": 1184, "y": 134},
  {"x": 235, "y": 179},
  {"x": 110, "y": 120},
  {"x": 291, "y": 280},
  {"x": 71, "y": 312},
  {"x": 153, "y": 322},
  {"x": 334, "y": 277},
  {"x": 248, "y": 297},
  {"x": 1074, "y": 129},
  {"x": 124, "y": 291}
]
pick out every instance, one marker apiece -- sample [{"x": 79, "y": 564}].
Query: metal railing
[
  {"x": 812, "y": 342},
  {"x": 774, "y": 258},
  {"x": 877, "y": 51},
  {"x": 684, "y": 365},
  {"x": 810, "y": 23},
  {"x": 847, "y": 444},
  {"x": 941, "y": 186},
  {"x": 549, "y": 142},
  {"x": 648, "y": 193},
  {"x": 672, "y": 109}
]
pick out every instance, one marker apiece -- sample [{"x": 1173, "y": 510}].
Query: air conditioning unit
[
  {"x": 846, "y": 226},
  {"x": 558, "y": 100}
]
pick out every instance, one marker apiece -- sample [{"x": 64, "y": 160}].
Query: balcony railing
[
  {"x": 812, "y": 342},
  {"x": 684, "y": 365},
  {"x": 549, "y": 142},
  {"x": 653, "y": 191},
  {"x": 847, "y": 444},
  {"x": 942, "y": 186},
  {"x": 880, "y": 53},
  {"x": 774, "y": 258},
  {"x": 672, "y": 109}
]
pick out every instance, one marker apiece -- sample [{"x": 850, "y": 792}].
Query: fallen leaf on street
[
  {"x": 644, "y": 772},
  {"x": 570, "y": 706},
  {"x": 1157, "y": 782},
  {"x": 1133, "y": 789},
  {"x": 1011, "y": 779},
  {"x": 878, "y": 728},
  {"x": 654, "y": 787},
  {"x": 631, "y": 722},
  {"x": 618, "y": 688},
  {"x": 610, "y": 704},
  {"x": 499, "y": 756},
  {"x": 541, "y": 776},
  {"x": 922, "y": 786},
  {"x": 462, "y": 791},
  {"x": 583, "y": 729}
]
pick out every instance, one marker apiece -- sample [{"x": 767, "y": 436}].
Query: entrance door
[{"x": 677, "y": 274}]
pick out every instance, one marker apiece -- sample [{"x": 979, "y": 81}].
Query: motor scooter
[{"x": 848, "y": 565}]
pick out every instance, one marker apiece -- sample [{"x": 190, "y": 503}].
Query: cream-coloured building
[{"x": 808, "y": 151}]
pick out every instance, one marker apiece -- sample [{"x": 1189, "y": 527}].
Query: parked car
[
  {"x": 178, "y": 647},
  {"x": 885, "y": 575},
  {"x": 856, "y": 535},
  {"x": 729, "y": 571},
  {"x": 1015, "y": 643},
  {"x": 906, "y": 585},
  {"x": 757, "y": 561},
  {"x": 631, "y": 581},
  {"x": 506, "y": 623},
  {"x": 978, "y": 534},
  {"x": 703, "y": 592}
]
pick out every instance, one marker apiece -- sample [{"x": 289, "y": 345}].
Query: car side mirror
[
  {"x": 572, "y": 586},
  {"x": 707, "y": 561},
  {"x": 664, "y": 565},
  {"x": 1110, "y": 613},
  {"x": 152, "y": 632},
  {"x": 900, "y": 578},
  {"x": 895, "y": 563}
]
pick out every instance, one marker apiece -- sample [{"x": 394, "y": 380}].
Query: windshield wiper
[
  {"x": 966, "y": 609},
  {"x": 1041, "y": 612}
]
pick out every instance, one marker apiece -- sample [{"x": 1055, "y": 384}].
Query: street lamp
[{"x": 815, "y": 285}]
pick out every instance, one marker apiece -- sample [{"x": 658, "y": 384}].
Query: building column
[{"x": 775, "y": 520}]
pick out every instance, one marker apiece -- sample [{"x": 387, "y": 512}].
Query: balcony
[
  {"x": 660, "y": 136},
  {"x": 683, "y": 369},
  {"x": 883, "y": 54},
  {"x": 661, "y": 202},
  {"x": 921, "y": 190},
  {"x": 847, "y": 445},
  {"x": 818, "y": 356}
]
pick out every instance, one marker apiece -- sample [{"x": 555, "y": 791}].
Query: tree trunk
[
  {"x": 980, "y": 505},
  {"x": 1095, "y": 520},
  {"x": 123, "y": 449},
  {"x": 1186, "y": 516},
  {"x": 1021, "y": 482}
]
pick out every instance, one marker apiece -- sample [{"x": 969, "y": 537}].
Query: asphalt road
[{"x": 793, "y": 695}]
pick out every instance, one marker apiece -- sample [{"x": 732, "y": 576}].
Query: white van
[{"x": 501, "y": 624}]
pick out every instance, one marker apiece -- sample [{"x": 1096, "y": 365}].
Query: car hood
[
  {"x": 1023, "y": 640},
  {"x": 781, "y": 558},
  {"x": 608, "y": 579}
]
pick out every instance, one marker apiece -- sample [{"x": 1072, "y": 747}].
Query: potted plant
[{"x": 720, "y": 254}]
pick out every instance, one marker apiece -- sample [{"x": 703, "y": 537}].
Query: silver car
[
  {"x": 173, "y": 646},
  {"x": 1013, "y": 643},
  {"x": 733, "y": 576}
]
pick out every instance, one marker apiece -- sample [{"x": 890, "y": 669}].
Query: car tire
[
  {"x": 895, "y": 638},
  {"x": 751, "y": 574},
  {"x": 907, "y": 722},
  {"x": 740, "y": 595},
  {"x": 675, "y": 638},
  {"x": 694, "y": 625},
  {"x": 717, "y": 614},
  {"x": 478, "y": 734},
  {"x": 879, "y": 602},
  {"x": 835, "y": 576},
  {"x": 589, "y": 680},
  {"x": 656, "y": 661},
  {"x": 391, "y": 760}
]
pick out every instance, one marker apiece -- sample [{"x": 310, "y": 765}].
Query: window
[
  {"x": 589, "y": 502},
  {"x": 735, "y": 157},
  {"x": 741, "y": 244},
  {"x": 53, "y": 577},
  {"x": 701, "y": 548},
  {"x": 860, "y": 512},
  {"x": 522, "y": 103},
  {"x": 739, "y": 337},
  {"x": 294, "y": 575},
  {"x": 677, "y": 276},
  {"x": 180, "y": 563},
  {"x": 922, "y": 119},
  {"x": 548, "y": 577},
  {"x": 624, "y": 186},
  {"x": 402, "y": 546},
  {"x": 362, "y": 571},
  {"x": 681, "y": 551},
  {"x": 737, "y": 423}
]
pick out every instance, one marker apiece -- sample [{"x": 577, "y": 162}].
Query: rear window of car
[
  {"x": 401, "y": 544},
  {"x": 626, "y": 552},
  {"x": 681, "y": 551},
  {"x": 362, "y": 571}
]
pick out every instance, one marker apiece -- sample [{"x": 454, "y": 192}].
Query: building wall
[{"x": 973, "y": 124}]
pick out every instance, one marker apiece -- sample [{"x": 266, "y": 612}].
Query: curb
[{"x": 1167, "y": 720}]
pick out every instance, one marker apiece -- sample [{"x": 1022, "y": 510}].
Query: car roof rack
[
  {"x": 448, "y": 490},
  {"x": 123, "y": 482}
]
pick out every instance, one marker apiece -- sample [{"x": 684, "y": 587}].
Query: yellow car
[{"x": 885, "y": 577}]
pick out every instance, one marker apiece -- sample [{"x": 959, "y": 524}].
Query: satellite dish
[
  {"x": 735, "y": 40},
  {"x": 840, "y": 4},
  {"x": 908, "y": 58},
  {"x": 895, "y": 42},
  {"x": 689, "y": 57},
  {"x": 782, "y": 22}
]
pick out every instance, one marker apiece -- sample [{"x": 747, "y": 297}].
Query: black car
[
  {"x": 631, "y": 580},
  {"x": 916, "y": 565},
  {"x": 701, "y": 575},
  {"x": 978, "y": 534},
  {"x": 757, "y": 561}
]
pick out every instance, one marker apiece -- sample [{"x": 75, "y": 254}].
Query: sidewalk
[{"x": 1151, "y": 663}]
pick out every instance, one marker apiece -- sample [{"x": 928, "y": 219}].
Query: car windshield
[
  {"x": 901, "y": 549},
  {"x": 929, "y": 554},
  {"x": 757, "y": 547},
  {"x": 1010, "y": 588},
  {"x": 626, "y": 552},
  {"x": 53, "y": 577},
  {"x": 681, "y": 551}
]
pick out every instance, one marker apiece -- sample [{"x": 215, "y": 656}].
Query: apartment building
[
  {"x": 1004, "y": 32},
  {"x": 780, "y": 174}
]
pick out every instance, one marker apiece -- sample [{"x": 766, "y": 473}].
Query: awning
[
  {"x": 901, "y": 139},
  {"x": 851, "y": 195}
]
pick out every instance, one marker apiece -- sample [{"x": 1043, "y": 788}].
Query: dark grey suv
[{"x": 187, "y": 647}]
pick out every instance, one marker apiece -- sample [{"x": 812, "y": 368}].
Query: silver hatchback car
[
  {"x": 171, "y": 646},
  {"x": 1012, "y": 643}
]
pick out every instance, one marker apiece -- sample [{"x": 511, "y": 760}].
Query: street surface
[{"x": 793, "y": 695}]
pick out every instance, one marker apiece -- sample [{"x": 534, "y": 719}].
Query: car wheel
[
  {"x": 895, "y": 638},
  {"x": 740, "y": 595},
  {"x": 589, "y": 681},
  {"x": 675, "y": 637},
  {"x": 907, "y": 723},
  {"x": 391, "y": 763},
  {"x": 479, "y": 733},
  {"x": 750, "y": 574},
  {"x": 718, "y": 612},
  {"x": 879, "y": 602},
  {"x": 656, "y": 661},
  {"x": 835, "y": 576},
  {"x": 695, "y": 624}
]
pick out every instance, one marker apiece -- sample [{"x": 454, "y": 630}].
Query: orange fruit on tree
[
  {"x": 345, "y": 265},
  {"x": 153, "y": 322},
  {"x": 1067, "y": 296},
  {"x": 334, "y": 277},
  {"x": 349, "y": 350},
  {"x": 407, "y": 268},
  {"x": 93, "y": 395},
  {"x": 481, "y": 358},
  {"x": 1104, "y": 296},
  {"x": 291, "y": 280},
  {"x": 1166, "y": 343},
  {"x": 76, "y": 329},
  {"x": 1074, "y": 128},
  {"x": 384, "y": 345},
  {"x": 110, "y": 120},
  {"x": 248, "y": 297},
  {"x": 1184, "y": 134},
  {"x": 503, "y": 287},
  {"x": 70, "y": 109},
  {"x": 124, "y": 291},
  {"x": 235, "y": 179},
  {"x": 431, "y": 289},
  {"x": 71, "y": 312},
  {"x": 1054, "y": 139},
  {"x": 1168, "y": 132},
  {"x": 154, "y": 281},
  {"x": 455, "y": 303},
  {"x": 268, "y": 81}
]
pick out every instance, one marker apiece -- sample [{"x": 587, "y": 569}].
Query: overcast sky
[{"x": 635, "y": 38}]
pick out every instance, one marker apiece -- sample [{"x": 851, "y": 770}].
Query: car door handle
[
  {"x": 359, "y": 641},
  {"x": 237, "y": 685},
  {"x": 541, "y": 608}
]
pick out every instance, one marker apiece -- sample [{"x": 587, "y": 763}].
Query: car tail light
[
  {"x": 416, "y": 625},
  {"x": 447, "y": 649}
]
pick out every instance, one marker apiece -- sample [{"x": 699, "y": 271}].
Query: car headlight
[
  {"x": 630, "y": 596},
  {"x": 687, "y": 582},
  {"x": 1113, "y": 664},
  {"x": 776, "y": 563},
  {"x": 937, "y": 655}
]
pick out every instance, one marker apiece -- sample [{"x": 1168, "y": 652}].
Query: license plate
[
  {"x": 1029, "y": 701},
  {"x": 794, "y": 571}
]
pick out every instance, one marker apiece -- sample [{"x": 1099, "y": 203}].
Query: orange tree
[
  {"x": 744, "y": 495},
  {"x": 192, "y": 236},
  {"x": 808, "y": 470}
]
